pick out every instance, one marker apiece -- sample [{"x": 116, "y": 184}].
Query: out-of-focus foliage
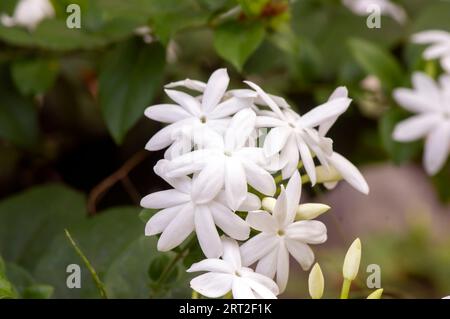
[{"x": 71, "y": 110}]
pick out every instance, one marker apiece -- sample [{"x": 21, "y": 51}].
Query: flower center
[
  {"x": 280, "y": 232},
  {"x": 203, "y": 119},
  {"x": 227, "y": 153},
  {"x": 291, "y": 124},
  {"x": 237, "y": 273}
]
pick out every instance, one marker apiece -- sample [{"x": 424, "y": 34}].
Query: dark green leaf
[
  {"x": 129, "y": 78},
  {"x": 38, "y": 292},
  {"x": 34, "y": 76},
  {"x": 236, "y": 41},
  {"x": 146, "y": 214}
]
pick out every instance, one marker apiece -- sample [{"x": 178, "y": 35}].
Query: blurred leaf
[
  {"x": 252, "y": 7},
  {"x": 235, "y": 41},
  {"x": 7, "y": 290},
  {"x": 146, "y": 214},
  {"x": 398, "y": 152},
  {"x": 34, "y": 76},
  {"x": 30, "y": 220},
  {"x": 38, "y": 292},
  {"x": 129, "y": 78},
  {"x": 441, "y": 182},
  {"x": 377, "y": 61}
]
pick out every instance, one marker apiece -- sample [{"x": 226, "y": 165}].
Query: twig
[
  {"x": 119, "y": 175},
  {"x": 95, "y": 277}
]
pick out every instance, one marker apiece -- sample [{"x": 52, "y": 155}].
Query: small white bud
[
  {"x": 352, "y": 260},
  {"x": 327, "y": 175},
  {"x": 310, "y": 211},
  {"x": 268, "y": 203},
  {"x": 316, "y": 282},
  {"x": 376, "y": 294}
]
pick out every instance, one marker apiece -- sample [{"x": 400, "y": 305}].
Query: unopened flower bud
[
  {"x": 352, "y": 260},
  {"x": 310, "y": 211},
  {"x": 268, "y": 203},
  {"x": 376, "y": 294},
  {"x": 327, "y": 175},
  {"x": 316, "y": 282}
]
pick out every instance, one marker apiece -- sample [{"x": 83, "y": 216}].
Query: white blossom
[
  {"x": 385, "y": 7},
  {"x": 439, "y": 48},
  {"x": 280, "y": 236},
  {"x": 431, "y": 101},
  {"x": 29, "y": 13},
  {"x": 227, "y": 274},
  {"x": 184, "y": 211}
]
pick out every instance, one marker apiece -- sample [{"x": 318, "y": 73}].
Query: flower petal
[
  {"x": 282, "y": 266},
  {"x": 207, "y": 234},
  {"x": 209, "y": 182},
  {"x": 251, "y": 202},
  {"x": 158, "y": 222},
  {"x": 235, "y": 182},
  {"x": 293, "y": 194},
  {"x": 349, "y": 172},
  {"x": 166, "y": 113},
  {"x": 178, "y": 229},
  {"x": 212, "y": 285},
  {"x": 262, "y": 221},
  {"x": 413, "y": 101},
  {"x": 241, "y": 126},
  {"x": 231, "y": 252},
  {"x": 260, "y": 290},
  {"x": 325, "y": 112},
  {"x": 276, "y": 139},
  {"x": 267, "y": 265},
  {"x": 307, "y": 160},
  {"x": 241, "y": 289},
  {"x": 415, "y": 127},
  {"x": 215, "y": 89},
  {"x": 211, "y": 265},
  {"x": 280, "y": 209},
  {"x": 308, "y": 231},
  {"x": 266, "y": 281},
  {"x": 164, "y": 199},
  {"x": 289, "y": 158},
  {"x": 259, "y": 179},
  {"x": 437, "y": 147},
  {"x": 229, "y": 107},
  {"x": 231, "y": 224},
  {"x": 257, "y": 247},
  {"x": 301, "y": 252},
  {"x": 267, "y": 99},
  {"x": 189, "y": 103}
]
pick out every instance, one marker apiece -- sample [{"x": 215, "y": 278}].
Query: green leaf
[
  {"x": 34, "y": 76},
  {"x": 18, "y": 118},
  {"x": 377, "y": 61},
  {"x": 129, "y": 78},
  {"x": 252, "y": 7},
  {"x": 236, "y": 41},
  {"x": 146, "y": 214},
  {"x": 7, "y": 290},
  {"x": 38, "y": 292},
  {"x": 398, "y": 152},
  {"x": 30, "y": 220}
]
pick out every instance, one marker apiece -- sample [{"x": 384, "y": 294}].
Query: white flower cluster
[
  {"x": 217, "y": 168},
  {"x": 29, "y": 13}
]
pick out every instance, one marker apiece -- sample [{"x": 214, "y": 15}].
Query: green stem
[
  {"x": 194, "y": 295},
  {"x": 95, "y": 277},
  {"x": 345, "y": 288}
]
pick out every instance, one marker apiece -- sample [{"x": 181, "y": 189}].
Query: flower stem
[
  {"x": 194, "y": 295},
  {"x": 345, "y": 288}
]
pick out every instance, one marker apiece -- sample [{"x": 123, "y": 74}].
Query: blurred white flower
[
  {"x": 183, "y": 211},
  {"x": 280, "y": 236},
  {"x": 225, "y": 162},
  {"x": 386, "y": 7},
  {"x": 295, "y": 137},
  {"x": 29, "y": 13},
  {"x": 228, "y": 274},
  {"x": 439, "y": 48},
  {"x": 431, "y": 102},
  {"x": 193, "y": 117},
  {"x": 145, "y": 32},
  {"x": 448, "y": 297}
]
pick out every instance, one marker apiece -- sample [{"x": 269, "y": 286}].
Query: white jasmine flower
[
  {"x": 29, "y": 13},
  {"x": 226, "y": 162},
  {"x": 431, "y": 102},
  {"x": 295, "y": 137},
  {"x": 386, "y": 7},
  {"x": 184, "y": 211},
  {"x": 280, "y": 236},
  {"x": 227, "y": 274},
  {"x": 439, "y": 48},
  {"x": 194, "y": 117}
]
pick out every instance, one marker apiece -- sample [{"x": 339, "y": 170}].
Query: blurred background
[{"x": 72, "y": 137}]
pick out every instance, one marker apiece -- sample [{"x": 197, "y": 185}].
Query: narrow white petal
[
  {"x": 437, "y": 147},
  {"x": 251, "y": 202},
  {"x": 158, "y": 222},
  {"x": 164, "y": 199},
  {"x": 257, "y": 247},
  {"x": 436, "y": 51},
  {"x": 289, "y": 158},
  {"x": 211, "y": 265},
  {"x": 325, "y": 112},
  {"x": 293, "y": 194},
  {"x": 229, "y": 108},
  {"x": 340, "y": 92},
  {"x": 415, "y": 127},
  {"x": 178, "y": 229},
  {"x": 280, "y": 209},
  {"x": 189, "y": 84},
  {"x": 445, "y": 62},
  {"x": 282, "y": 266},
  {"x": 276, "y": 139},
  {"x": 267, "y": 265},
  {"x": 268, "y": 121},
  {"x": 259, "y": 179},
  {"x": 231, "y": 252},
  {"x": 241, "y": 290},
  {"x": 207, "y": 234},
  {"x": 166, "y": 113},
  {"x": 267, "y": 99},
  {"x": 231, "y": 224},
  {"x": 215, "y": 89},
  {"x": 308, "y": 161},
  {"x": 262, "y": 221},
  {"x": 349, "y": 172},
  {"x": 235, "y": 182},
  {"x": 308, "y": 231},
  {"x": 212, "y": 285},
  {"x": 241, "y": 126},
  {"x": 414, "y": 102},
  {"x": 431, "y": 36},
  {"x": 261, "y": 290},
  {"x": 261, "y": 279},
  {"x": 209, "y": 182},
  {"x": 426, "y": 86},
  {"x": 189, "y": 103},
  {"x": 301, "y": 252},
  {"x": 162, "y": 139}
]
